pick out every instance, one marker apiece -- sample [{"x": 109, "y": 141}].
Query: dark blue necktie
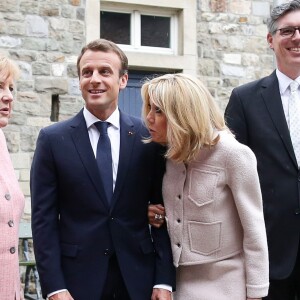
[{"x": 104, "y": 159}]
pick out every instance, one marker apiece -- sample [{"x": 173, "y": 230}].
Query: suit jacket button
[
  {"x": 10, "y": 223},
  {"x": 297, "y": 211},
  {"x": 178, "y": 245},
  {"x": 106, "y": 252},
  {"x": 12, "y": 250},
  {"x": 7, "y": 196}
]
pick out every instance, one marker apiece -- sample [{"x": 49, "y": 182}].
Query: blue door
[{"x": 130, "y": 100}]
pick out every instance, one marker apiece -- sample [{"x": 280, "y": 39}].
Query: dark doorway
[{"x": 130, "y": 100}]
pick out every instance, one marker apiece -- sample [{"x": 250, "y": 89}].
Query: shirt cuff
[
  {"x": 56, "y": 292},
  {"x": 163, "y": 286}
]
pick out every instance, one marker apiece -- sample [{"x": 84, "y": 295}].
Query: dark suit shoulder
[
  {"x": 256, "y": 85},
  {"x": 64, "y": 125}
]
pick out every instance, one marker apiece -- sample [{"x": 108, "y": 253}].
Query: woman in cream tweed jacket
[
  {"x": 211, "y": 193},
  {"x": 11, "y": 197}
]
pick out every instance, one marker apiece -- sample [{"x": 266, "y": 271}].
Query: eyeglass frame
[{"x": 295, "y": 28}]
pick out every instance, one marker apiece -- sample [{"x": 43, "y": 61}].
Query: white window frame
[
  {"x": 185, "y": 40},
  {"x": 135, "y": 31}
]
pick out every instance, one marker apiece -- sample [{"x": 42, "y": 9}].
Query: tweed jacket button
[
  {"x": 178, "y": 245},
  {"x": 12, "y": 250},
  {"x": 7, "y": 197},
  {"x": 10, "y": 223}
]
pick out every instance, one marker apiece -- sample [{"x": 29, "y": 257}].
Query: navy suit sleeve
[
  {"x": 45, "y": 214},
  {"x": 235, "y": 117},
  {"x": 165, "y": 270}
]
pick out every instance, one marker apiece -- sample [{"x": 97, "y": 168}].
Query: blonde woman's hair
[
  {"x": 191, "y": 112},
  {"x": 8, "y": 67}
]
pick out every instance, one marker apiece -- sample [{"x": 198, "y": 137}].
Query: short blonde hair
[
  {"x": 191, "y": 112},
  {"x": 8, "y": 67}
]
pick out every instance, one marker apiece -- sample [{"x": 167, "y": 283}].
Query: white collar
[
  {"x": 284, "y": 81},
  {"x": 90, "y": 119}
]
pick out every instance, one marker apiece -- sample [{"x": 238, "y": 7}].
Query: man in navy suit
[
  {"x": 258, "y": 113},
  {"x": 87, "y": 245}
]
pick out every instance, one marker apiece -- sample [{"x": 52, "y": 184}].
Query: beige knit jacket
[{"x": 214, "y": 210}]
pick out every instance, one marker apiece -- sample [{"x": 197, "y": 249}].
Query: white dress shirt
[
  {"x": 113, "y": 132},
  {"x": 284, "y": 83}
]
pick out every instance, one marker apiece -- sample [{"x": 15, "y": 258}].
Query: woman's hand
[{"x": 156, "y": 215}]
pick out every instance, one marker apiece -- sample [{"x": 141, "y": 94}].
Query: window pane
[
  {"x": 155, "y": 31},
  {"x": 115, "y": 27}
]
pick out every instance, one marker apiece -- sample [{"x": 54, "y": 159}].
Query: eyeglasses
[{"x": 288, "y": 31}]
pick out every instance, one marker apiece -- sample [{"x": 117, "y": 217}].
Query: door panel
[{"x": 130, "y": 100}]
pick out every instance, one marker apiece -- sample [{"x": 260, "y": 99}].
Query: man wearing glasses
[{"x": 265, "y": 115}]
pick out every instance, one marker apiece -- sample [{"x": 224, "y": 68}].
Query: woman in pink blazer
[
  {"x": 211, "y": 193},
  {"x": 11, "y": 197}
]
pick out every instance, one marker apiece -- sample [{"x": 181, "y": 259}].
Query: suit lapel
[
  {"x": 272, "y": 99},
  {"x": 82, "y": 143},
  {"x": 128, "y": 136}
]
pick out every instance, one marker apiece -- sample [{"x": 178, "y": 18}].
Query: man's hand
[
  {"x": 65, "y": 295},
  {"x": 161, "y": 294},
  {"x": 156, "y": 215}
]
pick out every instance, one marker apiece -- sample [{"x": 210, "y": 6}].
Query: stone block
[
  {"x": 80, "y": 14},
  {"x": 58, "y": 70},
  {"x": 38, "y": 121},
  {"x": 68, "y": 12},
  {"x": 15, "y": 28},
  {"x": 24, "y": 55},
  {"x": 59, "y": 24},
  {"x": 49, "y": 9},
  {"x": 229, "y": 70},
  {"x": 261, "y": 8},
  {"x": 21, "y": 160},
  {"x": 74, "y": 86},
  {"x": 250, "y": 59},
  {"x": 25, "y": 188},
  {"x": 29, "y": 7},
  {"x": 72, "y": 71},
  {"x": 28, "y": 96},
  {"x": 52, "y": 85},
  {"x": 206, "y": 67},
  {"x": 75, "y": 2},
  {"x": 38, "y": 44},
  {"x": 240, "y": 7},
  {"x": 9, "y": 42},
  {"x": 12, "y": 140},
  {"x": 218, "y": 6},
  {"x": 41, "y": 68},
  {"x": 232, "y": 58},
  {"x": 24, "y": 175},
  {"x": 36, "y": 26},
  {"x": 9, "y": 5},
  {"x": 26, "y": 71}
]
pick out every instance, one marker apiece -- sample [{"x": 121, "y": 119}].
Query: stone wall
[
  {"x": 45, "y": 37},
  {"x": 232, "y": 45}
]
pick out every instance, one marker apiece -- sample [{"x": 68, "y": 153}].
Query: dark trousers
[
  {"x": 114, "y": 288},
  {"x": 286, "y": 289}
]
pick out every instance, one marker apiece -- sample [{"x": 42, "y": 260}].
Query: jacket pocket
[
  {"x": 202, "y": 186},
  {"x": 69, "y": 250},
  {"x": 204, "y": 238}
]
